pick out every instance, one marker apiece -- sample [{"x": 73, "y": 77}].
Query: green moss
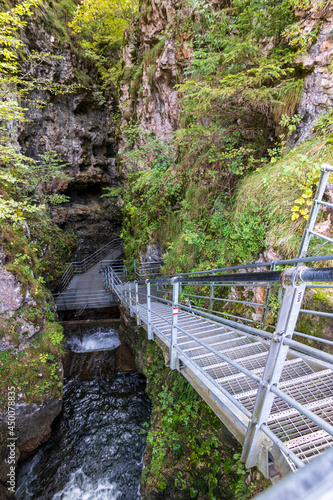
[
  {"x": 35, "y": 371},
  {"x": 324, "y": 297},
  {"x": 83, "y": 79},
  {"x": 56, "y": 15},
  {"x": 33, "y": 256}
]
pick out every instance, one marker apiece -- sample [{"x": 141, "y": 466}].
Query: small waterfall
[
  {"x": 94, "y": 340},
  {"x": 96, "y": 448},
  {"x": 81, "y": 487}
]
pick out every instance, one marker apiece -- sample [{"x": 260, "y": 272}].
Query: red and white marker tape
[{"x": 175, "y": 311}]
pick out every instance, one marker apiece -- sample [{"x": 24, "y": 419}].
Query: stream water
[
  {"x": 95, "y": 339},
  {"x": 96, "y": 449}
]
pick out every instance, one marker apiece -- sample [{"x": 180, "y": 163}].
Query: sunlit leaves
[{"x": 104, "y": 20}]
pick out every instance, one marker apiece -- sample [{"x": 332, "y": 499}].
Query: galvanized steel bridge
[
  {"x": 82, "y": 283},
  {"x": 272, "y": 389},
  {"x": 269, "y": 382}
]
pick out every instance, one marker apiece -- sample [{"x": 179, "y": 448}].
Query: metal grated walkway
[
  {"x": 83, "y": 281},
  {"x": 309, "y": 383},
  {"x": 275, "y": 395}
]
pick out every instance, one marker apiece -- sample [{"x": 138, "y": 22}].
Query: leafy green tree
[
  {"x": 22, "y": 179},
  {"x": 100, "y": 26}
]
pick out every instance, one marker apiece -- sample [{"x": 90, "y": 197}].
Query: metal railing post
[
  {"x": 130, "y": 298},
  {"x": 125, "y": 293},
  {"x": 211, "y": 296},
  {"x": 150, "y": 332},
  {"x": 137, "y": 303},
  {"x": 277, "y": 353},
  {"x": 173, "y": 352}
]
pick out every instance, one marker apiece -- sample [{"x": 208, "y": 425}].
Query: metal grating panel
[
  {"x": 224, "y": 369},
  {"x": 221, "y": 347},
  {"x": 235, "y": 353},
  {"x": 290, "y": 424},
  {"x": 313, "y": 387},
  {"x": 188, "y": 345}
]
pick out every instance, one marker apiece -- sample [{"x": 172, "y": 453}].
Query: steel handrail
[
  {"x": 80, "y": 267},
  {"x": 265, "y": 379},
  {"x": 282, "y": 262}
]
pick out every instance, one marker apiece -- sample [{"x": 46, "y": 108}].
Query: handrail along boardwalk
[{"x": 272, "y": 390}]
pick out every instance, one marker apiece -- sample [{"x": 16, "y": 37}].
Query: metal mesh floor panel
[
  {"x": 188, "y": 345},
  {"x": 221, "y": 347},
  {"x": 249, "y": 362},
  {"x": 299, "y": 433},
  {"x": 206, "y": 333},
  {"x": 305, "y": 389},
  {"x": 235, "y": 353}
]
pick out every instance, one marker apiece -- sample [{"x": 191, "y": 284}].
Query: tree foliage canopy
[
  {"x": 22, "y": 179},
  {"x": 104, "y": 20},
  {"x": 100, "y": 26}
]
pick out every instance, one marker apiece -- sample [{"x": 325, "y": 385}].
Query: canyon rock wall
[
  {"x": 317, "y": 95},
  {"x": 150, "y": 97},
  {"x": 153, "y": 101},
  {"x": 80, "y": 128}
]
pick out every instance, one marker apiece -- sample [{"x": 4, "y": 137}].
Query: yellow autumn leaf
[
  {"x": 304, "y": 211},
  {"x": 307, "y": 193},
  {"x": 300, "y": 201},
  {"x": 309, "y": 202},
  {"x": 294, "y": 216},
  {"x": 295, "y": 209}
]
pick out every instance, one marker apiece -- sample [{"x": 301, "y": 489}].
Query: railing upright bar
[
  {"x": 137, "y": 303},
  {"x": 149, "y": 327},
  {"x": 211, "y": 295},
  {"x": 130, "y": 299},
  {"x": 308, "y": 232},
  {"x": 285, "y": 327},
  {"x": 265, "y": 308},
  {"x": 173, "y": 352}
]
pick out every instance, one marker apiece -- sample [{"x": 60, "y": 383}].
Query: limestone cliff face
[
  {"x": 33, "y": 427},
  {"x": 13, "y": 301},
  {"x": 81, "y": 130},
  {"x": 154, "y": 102},
  {"x": 18, "y": 334},
  {"x": 318, "y": 83}
]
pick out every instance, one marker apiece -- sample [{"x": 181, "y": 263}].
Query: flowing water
[
  {"x": 98, "y": 338},
  {"x": 96, "y": 448}
]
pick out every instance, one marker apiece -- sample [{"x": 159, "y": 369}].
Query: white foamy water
[
  {"x": 94, "y": 340},
  {"x": 81, "y": 487}
]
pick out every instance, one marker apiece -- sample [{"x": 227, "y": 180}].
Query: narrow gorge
[{"x": 194, "y": 132}]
